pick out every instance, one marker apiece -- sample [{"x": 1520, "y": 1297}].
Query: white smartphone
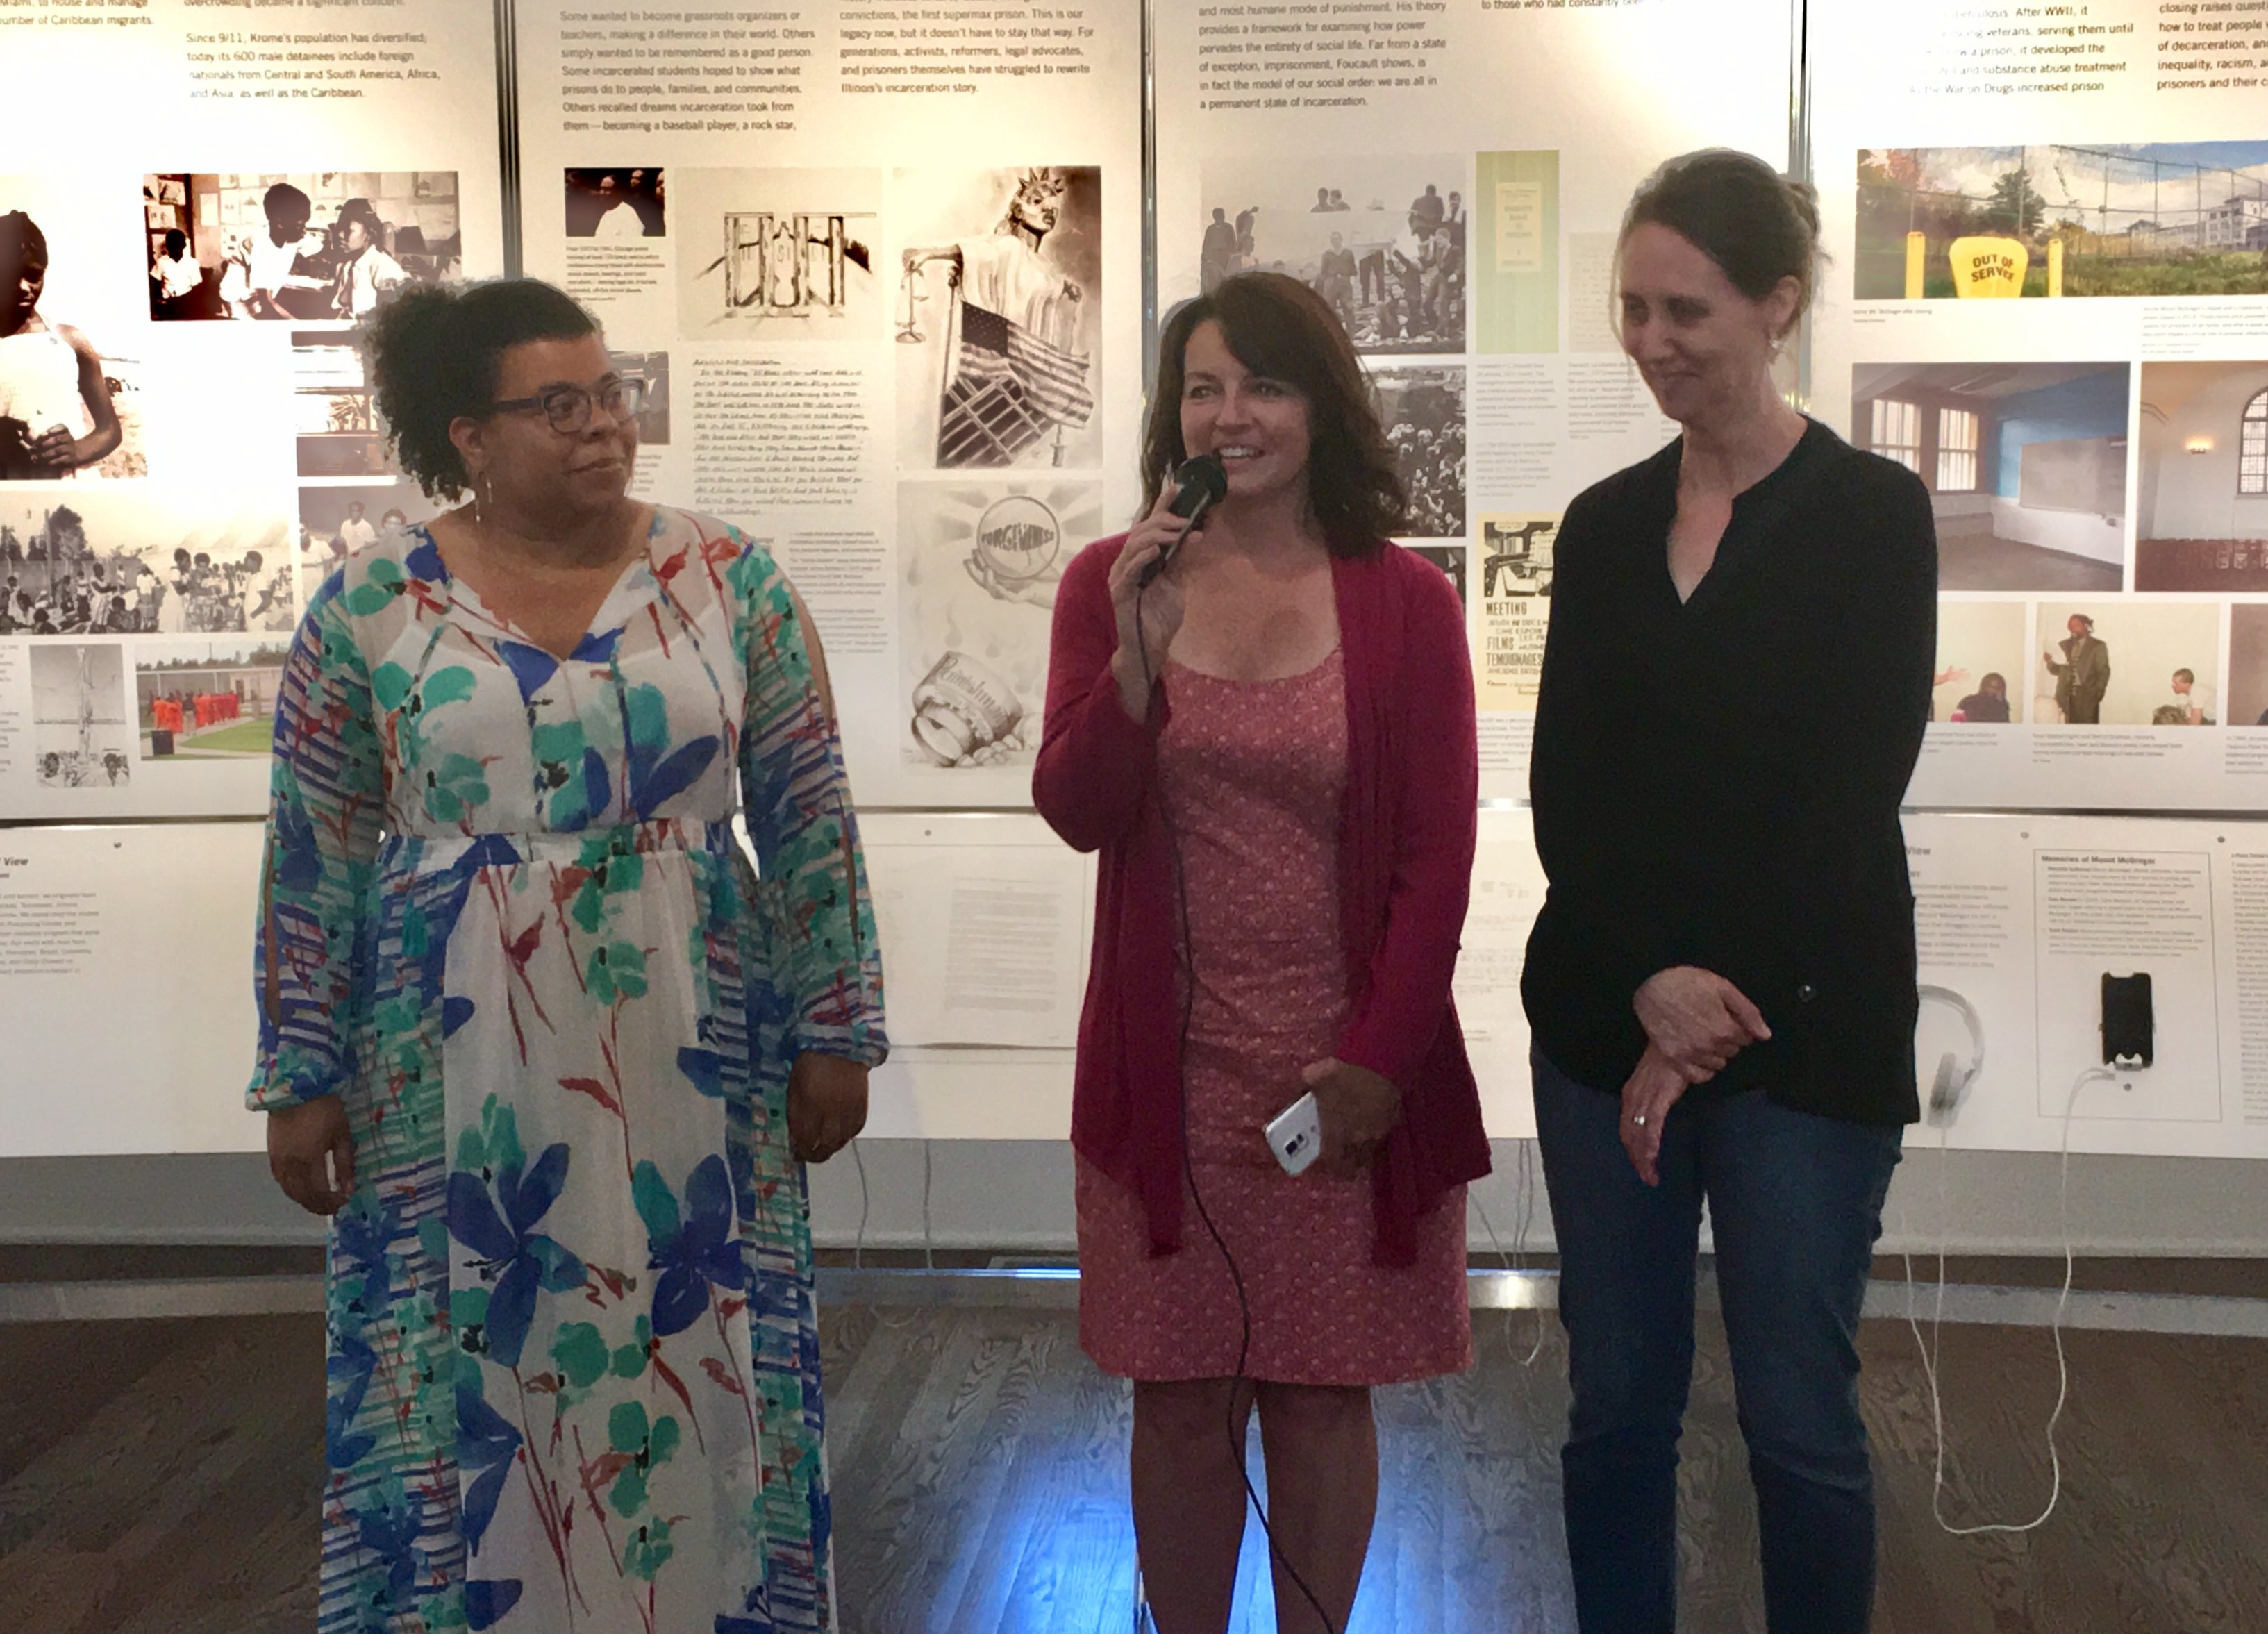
[{"x": 1295, "y": 1135}]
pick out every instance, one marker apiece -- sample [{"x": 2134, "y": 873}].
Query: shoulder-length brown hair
[{"x": 1275, "y": 325}]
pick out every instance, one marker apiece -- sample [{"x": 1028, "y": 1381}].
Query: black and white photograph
[
  {"x": 1451, "y": 560},
  {"x": 979, "y": 564},
  {"x": 337, "y": 520},
  {"x": 2201, "y": 488},
  {"x": 649, "y": 371},
  {"x": 2025, "y": 464},
  {"x": 1424, "y": 412},
  {"x": 81, "y": 738},
  {"x": 333, "y": 414},
  {"x": 128, "y": 562},
  {"x": 307, "y": 248},
  {"x": 997, "y": 303},
  {"x": 208, "y": 699},
  {"x": 68, "y": 408},
  {"x": 611, "y": 205},
  {"x": 779, "y": 254},
  {"x": 1381, "y": 238}
]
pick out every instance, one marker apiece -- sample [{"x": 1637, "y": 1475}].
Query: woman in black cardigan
[{"x": 1721, "y": 985}]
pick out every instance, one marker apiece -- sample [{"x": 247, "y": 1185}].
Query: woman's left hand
[
  {"x": 825, "y": 1105},
  {"x": 1647, "y": 1098},
  {"x": 1358, "y": 1109}
]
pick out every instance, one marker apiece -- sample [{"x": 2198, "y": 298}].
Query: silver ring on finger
[{"x": 1639, "y": 1118}]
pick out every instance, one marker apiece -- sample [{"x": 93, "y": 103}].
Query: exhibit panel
[
  {"x": 1451, "y": 178},
  {"x": 186, "y": 439},
  {"x": 2050, "y": 300},
  {"x": 879, "y": 269}
]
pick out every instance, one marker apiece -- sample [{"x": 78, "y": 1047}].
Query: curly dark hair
[
  {"x": 433, "y": 353},
  {"x": 1275, "y": 325}
]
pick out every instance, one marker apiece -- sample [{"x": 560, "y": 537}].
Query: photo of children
[
  {"x": 58, "y": 416},
  {"x": 123, "y": 561},
  {"x": 307, "y": 248}
]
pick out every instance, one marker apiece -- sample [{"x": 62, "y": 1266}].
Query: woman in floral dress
[{"x": 536, "y": 1037}]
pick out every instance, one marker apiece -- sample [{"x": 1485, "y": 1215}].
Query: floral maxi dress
[{"x": 573, "y": 1365}]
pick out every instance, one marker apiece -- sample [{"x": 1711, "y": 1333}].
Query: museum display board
[
  {"x": 882, "y": 266},
  {"x": 2050, "y": 226},
  {"x": 881, "y": 270},
  {"x": 1451, "y": 178},
  {"x": 215, "y": 192}
]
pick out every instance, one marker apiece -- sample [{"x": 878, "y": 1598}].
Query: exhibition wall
[{"x": 888, "y": 274}]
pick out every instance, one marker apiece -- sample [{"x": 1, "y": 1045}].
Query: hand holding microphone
[{"x": 1148, "y": 608}]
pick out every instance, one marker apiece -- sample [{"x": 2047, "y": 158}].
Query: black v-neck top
[{"x": 1716, "y": 781}]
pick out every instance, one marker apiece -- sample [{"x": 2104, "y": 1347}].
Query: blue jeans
[{"x": 1796, "y": 1203}]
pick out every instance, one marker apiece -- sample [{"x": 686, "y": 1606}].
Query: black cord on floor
[{"x": 1188, "y": 1165}]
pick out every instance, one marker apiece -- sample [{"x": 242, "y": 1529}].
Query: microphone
[{"x": 1199, "y": 484}]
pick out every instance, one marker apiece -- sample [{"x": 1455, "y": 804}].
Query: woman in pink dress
[{"x": 1272, "y": 746}]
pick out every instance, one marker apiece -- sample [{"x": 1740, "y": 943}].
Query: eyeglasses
[{"x": 568, "y": 407}]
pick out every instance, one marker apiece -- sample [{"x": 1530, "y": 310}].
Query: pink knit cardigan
[{"x": 1406, "y": 851}]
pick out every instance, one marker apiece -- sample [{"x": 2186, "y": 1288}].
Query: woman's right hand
[
  {"x": 1148, "y": 619},
  {"x": 300, "y": 1140},
  {"x": 1697, "y": 1021}
]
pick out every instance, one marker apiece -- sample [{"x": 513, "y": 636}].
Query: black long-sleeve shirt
[{"x": 1716, "y": 781}]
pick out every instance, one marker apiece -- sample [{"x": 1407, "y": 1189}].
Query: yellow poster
[{"x": 1514, "y": 566}]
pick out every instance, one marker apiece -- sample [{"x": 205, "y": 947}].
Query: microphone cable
[{"x": 1238, "y": 1379}]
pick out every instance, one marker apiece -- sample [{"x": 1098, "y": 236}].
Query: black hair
[
  {"x": 287, "y": 200},
  {"x": 434, "y": 352},
  {"x": 1277, "y": 327},
  {"x": 1757, "y": 225},
  {"x": 365, "y": 212},
  {"x": 176, "y": 241},
  {"x": 22, "y": 241}
]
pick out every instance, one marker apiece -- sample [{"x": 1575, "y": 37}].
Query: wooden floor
[{"x": 161, "y": 1476}]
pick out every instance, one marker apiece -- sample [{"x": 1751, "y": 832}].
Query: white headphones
[{"x": 1951, "y": 1085}]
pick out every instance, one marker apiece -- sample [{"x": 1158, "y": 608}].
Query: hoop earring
[{"x": 484, "y": 497}]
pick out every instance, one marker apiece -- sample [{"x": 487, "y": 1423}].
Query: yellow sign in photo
[{"x": 1989, "y": 268}]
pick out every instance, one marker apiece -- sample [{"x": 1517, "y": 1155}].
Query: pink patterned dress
[{"x": 1252, "y": 773}]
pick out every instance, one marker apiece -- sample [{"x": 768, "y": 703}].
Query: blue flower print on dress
[
  {"x": 510, "y": 1252},
  {"x": 506, "y": 921},
  {"x": 693, "y": 1250}
]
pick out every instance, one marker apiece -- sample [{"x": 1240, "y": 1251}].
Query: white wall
[
  {"x": 2194, "y": 496},
  {"x": 2074, "y": 532}
]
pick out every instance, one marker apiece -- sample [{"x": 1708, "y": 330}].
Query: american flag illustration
[{"x": 1009, "y": 389}]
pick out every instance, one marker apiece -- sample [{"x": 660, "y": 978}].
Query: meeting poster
[{"x": 2050, "y": 300}]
